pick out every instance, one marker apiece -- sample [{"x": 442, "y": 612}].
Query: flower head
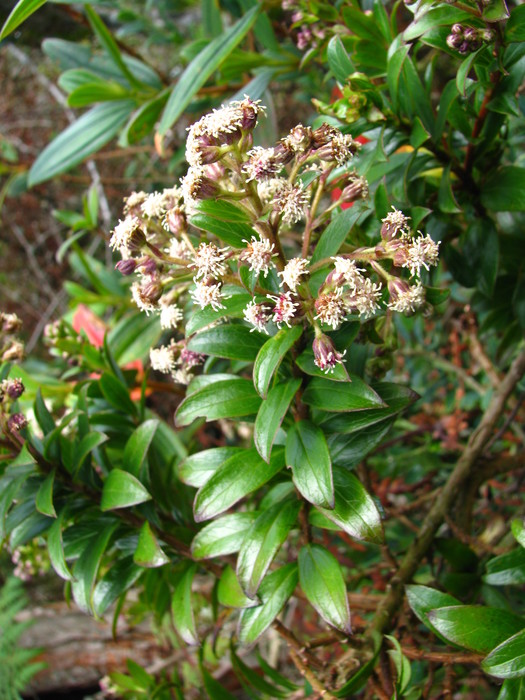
[
  {"x": 258, "y": 254},
  {"x": 365, "y": 299},
  {"x": 209, "y": 260},
  {"x": 206, "y": 294},
  {"x": 284, "y": 309},
  {"x": 163, "y": 359},
  {"x": 261, "y": 164},
  {"x": 330, "y": 309},
  {"x": 347, "y": 272},
  {"x": 394, "y": 222},
  {"x": 290, "y": 201},
  {"x": 127, "y": 235},
  {"x": 326, "y": 356},
  {"x": 258, "y": 315},
  {"x": 294, "y": 269},
  {"x": 404, "y": 297},
  {"x": 170, "y": 315},
  {"x": 422, "y": 252}
]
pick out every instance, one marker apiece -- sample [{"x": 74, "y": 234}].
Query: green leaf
[
  {"x": 90, "y": 93},
  {"x": 42, "y": 414},
  {"x": 515, "y": 28},
  {"x": 271, "y": 355},
  {"x": 335, "y": 233},
  {"x": 231, "y": 232},
  {"x": 518, "y": 530},
  {"x": 230, "y": 398},
  {"x": 513, "y": 689},
  {"x": 446, "y": 200},
  {"x": 196, "y": 469},
  {"x": 271, "y": 414},
  {"x": 397, "y": 54},
  {"x": 142, "y": 121},
  {"x": 223, "y": 536},
  {"x": 118, "y": 579},
  {"x": 222, "y": 210},
  {"x": 234, "y": 306},
  {"x": 504, "y": 189},
  {"x": 44, "y": 497},
  {"x": 435, "y": 17},
  {"x": 116, "y": 393},
  {"x": 86, "y": 567},
  {"x": 262, "y": 542},
  {"x": 231, "y": 341},
  {"x": 508, "y": 659},
  {"x": 354, "y": 509},
  {"x": 55, "y": 549},
  {"x": 230, "y": 593},
  {"x": 181, "y": 603},
  {"x": 506, "y": 569},
  {"x": 341, "y": 397},
  {"x": 138, "y": 445},
  {"x": 464, "y": 70},
  {"x": 122, "y": 490},
  {"x": 83, "y": 448},
  {"x": 423, "y": 599},
  {"x": 251, "y": 680},
  {"x": 474, "y": 627},
  {"x": 148, "y": 552},
  {"x": 306, "y": 362},
  {"x": 401, "y": 664},
  {"x": 307, "y": 454},
  {"x": 323, "y": 584},
  {"x": 274, "y": 591},
  {"x": 214, "y": 689},
  {"x": 235, "y": 479},
  {"x": 86, "y": 135},
  {"x": 20, "y": 12},
  {"x": 201, "y": 68},
  {"x": 338, "y": 60},
  {"x": 496, "y": 11}
]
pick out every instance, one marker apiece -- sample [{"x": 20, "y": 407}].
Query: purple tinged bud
[
  {"x": 152, "y": 290},
  {"x": 456, "y": 29},
  {"x": 454, "y": 41},
  {"x": 147, "y": 266},
  {"x": 16, "y": 422},
  {"x": 176, "y": 221},
  {"x": 326, "y": 356},
  {"x": 126, "y": 267},
  {"x": 14, "y": 389}
]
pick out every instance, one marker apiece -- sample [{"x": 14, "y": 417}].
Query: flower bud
[
  {"x": 13, "y": 352},
  {"x": 10, "y": 323},
  {"x": 126, "y": 267},
  {"x": 147, "y": 266},
  {"x": 16, "y": 422},
  {"x": 356, "y": 189},
  {"x": 13, "y": 388},
  {"x": 299, "y": 139},
  {"x": 326, "y": 356},
  {"x": 176, "y": 221},
  {"x": 456, "y": 29}
]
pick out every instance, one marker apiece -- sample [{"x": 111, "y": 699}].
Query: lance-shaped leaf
[
  {"x": 138, "y": 445},
  {"x": 237, "y": 477},
  {"x": 231, "y": 341},
  {"x": 262, "y": 542},
  {"x": 148, "y": 552},
  {"x": 341, "y": 396},
  {"x": 234, "y": 305},
  {"x": 307, "y": 453},
  {"x": 251, "y": 680},
  {"x": 87, "y": 565},
  {"x": 508, "y": 659},
  {"x": 44, "y": 497},
  {"x": 274, "y": 591},
  {"x": 118, "y": 579},
  {"x": 354, "y": 509},
  {"x": 20, "y": 12},
  {"x": 506, "y": 569},
  {"x": 181, "y": 602},
  {"x": 196, "y": 469},
  {"x": 55, "y": 549},
  {"x": 223, "y": 536},
  {"x": 122, "y": 490},
  {"x": 475, "y": 627},
  {"x": 323, "y": 584},
  {"x": 230, "y": 593},
  {"x": 271, "y": 414},
  {"x": 513, "y": 689},
  {"x": 271, "y": 355},
  {"x": 202, "y": 66},
  {"x": 229, "y": 398}
]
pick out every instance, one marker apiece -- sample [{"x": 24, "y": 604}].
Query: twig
[{"x": 305, "y": 671}]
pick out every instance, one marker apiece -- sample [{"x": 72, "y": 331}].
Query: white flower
[
  {"x": 284, "y": 309},
  {"x": 294, "y": 269},
  {"x": 422, "y": 252},
  {"x": 207, "y": 295},
  {"x": 126, "y": 234},
  {"x": 258, "y": 254},
  {"x": 134, "y": 200},
  {"x": 170, "y": 315},
  {"x": 141, "y": 299},
  {"x": 290, "y": 201},
  {"x": 179, "y": 249},
  {"x": 330, "y": 309},
  {"x": 365, "y": 300},
  {"x": 257, "y": 315},
  {"x": 394, "y": 222},
  {"x": 408, "y": 298},
  {"x": 209, "y": 260},
  {"x": 349, "y": 272},
  {"x": 154, "y": 206},
  {"x": 261, "y": 164},
  {"x": 162, "y": 359}
]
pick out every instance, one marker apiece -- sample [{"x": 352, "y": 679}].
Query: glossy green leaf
[
  {"x": 122, "y": 490},
  {"x": 341, "y": 397},
  {"x": 143, "y": 120},
  {"x": 515, "y": 28},
  {"x": 148, "y": 552},
  {"x": 513, "y": 689},
  {"x": 234, "y": 306},
  {"x": 435, "y": 17},
  {"x": 423, "y": 599},
  {"x": 506, "y": 569},
  {"x": 508, "y": 659},
  {"x": 518, "y": 530},
  {"x": 90, "y": 93},
  {"x": 496, "y": 11},
  {"x": 116, "y": 581},
  {"x": 42, "y": 414},
  {"x": 251, "y": 680},
  {"x": 262, "y": 542},
  {"x": 44, "y": 497},
  {"x": 196, "y": 469},
  {"x": 335, "y": 233},
  {"x": 86, "y": 567},
  {"x": 354, "y": 509},
  {"x": 504, "y": 189},
  {"x": 271, "y": 414},
  {"x": 231, "y": 341},
  {"x": 235, "y": 479},
  {"x": 202, "y": 66},
  {"x": 274, "y": 591},
  {"x": 231, "y": 232},
  {"x": 446, "y": 200},
  {"x": 401, "y": 665},
  {"x": 229, "y": 398},
  {"x": 271, "y": 355},
  {"x": 323, "y": 584},
  {"x": 308, "y": 456},
  {"x": 222, "y": 210},
  {"x": 214, "y": 690},
  {"x": 55, "y": 549},
  {"x": 463, "y": 72},
  {"x": 230, "y": 593},
  {"x": 20, "y": 12},
  {"x": 397, "y": 55},
  {"x": 83, "y": 448},
  {"x": 116, "y": 393},
  {"x": 338, "y": 60},
  {"x": 86, "y": 135},
  {"x": 138, "y": 445},
  {"x": 306, "y": 362},
  {"x": 477, "y": 628},
  {"x": 222, "y": 536},
  {"x": 181, "y": 602}
]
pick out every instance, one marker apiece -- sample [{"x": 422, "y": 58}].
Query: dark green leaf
[
  {"x": 181, "y": 603},
  {"x": 335, "y": 233},
  {"x": 340, "y": 397},
  {"x": 477, "y": 628},
  {"x": 307, "y": 454},
  {"x": 86, "y": 567},
  {"x": 435, "y": 17},
  {"x": 83, "y": 448},
  {"x": 196, "y": 469},
  {"x": 202, "y": 66},
  {"x": 85, "y": 136},
  {"x": 274, "y": 591},
  {"x": 271, "y": 355},
  {"x": 223, "y": 536},
  {"x": 230, "y": 232},
  {"x": 122, "y": 490},
  {"x": 42, "y": 414},
  {"x": 231, "y": 341},
  {"x": 323, "y": 584},
  {"x": 138, "y": 445},
  {"x": 504, "y": 189},
  {"x": 90, "y": 93},
  {"x": 518, "y": 530},
  {"x": 354, "y": 509},
  {"x": 306, "y": 362},
  {"x": 119, "y": 578},
  {"x": 229, "y": 398},
  {"x": 338, "y": 60},
  {"x": 515, "y": 29},
  {"x": 252, "y": 680},
  {"x": 513, "y": 689},
  {"x": 20, "y": 12},
  {"x": 496, "y": 11},
  {"x": 214, "y": 689},
  {"x": 116, "y": 393},
  {"x": 262, "y": 542},
  {"x": 44, "y": 497},
  {"x": 148, "y": 552},
  {"x": 234, "y": 306},
  {"x": 506, "y": 569},
  {"x": 142, "y": 121},
  {"x": 423, "y": 599},
  {"x": 271, "y": 413},
  {"x": 230, "y": 593},
  {"x": 464, "y": 70},
  {"x": 446, "y": 200},
  {"x": 508, "y": 659},
  {"x": 56, "y": 549},
  {"x": 236, "y": 478}
]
